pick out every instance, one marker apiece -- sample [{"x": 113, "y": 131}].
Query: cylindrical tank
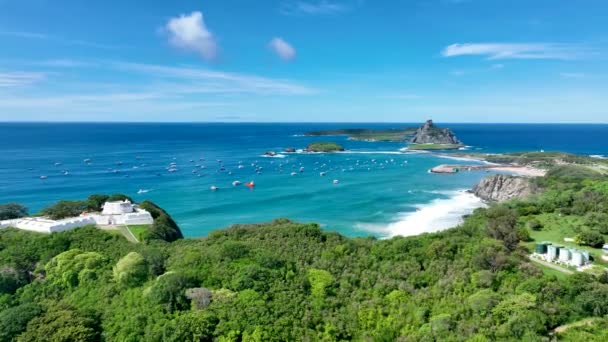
[
  {"x": 577, "y": 259},
  {"x": 585, "y": 256},
  {"x": 552, "y": 252},
  {"x": 541, "y": 248},
  {"x": 564, "y": 255}
]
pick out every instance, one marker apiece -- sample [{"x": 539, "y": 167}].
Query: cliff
[
  {"x": 431, "y": 134},
  {"x": 501, "y": 188}
]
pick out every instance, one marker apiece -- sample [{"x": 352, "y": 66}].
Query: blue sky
[{"x": 304, "y": 60}]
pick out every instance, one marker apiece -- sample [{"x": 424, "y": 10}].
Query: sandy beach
[{"x": 520, "y": 170}]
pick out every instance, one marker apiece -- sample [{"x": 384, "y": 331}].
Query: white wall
[{"x": 43, "y": 225}]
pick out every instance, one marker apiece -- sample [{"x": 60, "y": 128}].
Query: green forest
[{"x": 288, "y": 281}]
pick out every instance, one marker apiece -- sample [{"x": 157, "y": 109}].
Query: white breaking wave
[
  {"x": 465, "y": 159},
  {"x": 369, "y": 152},
  {"x": 275, "y": 156},
  {"x": 598, "y": 156},
  {"x": 436, "y": 216}
]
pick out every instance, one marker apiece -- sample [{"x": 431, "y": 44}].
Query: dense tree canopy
[{"x": 288, "y": 281}]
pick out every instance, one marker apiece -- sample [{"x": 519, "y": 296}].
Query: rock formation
[
  {"x": 431, "y": 134},
  {"x": 501, "y": 188}
]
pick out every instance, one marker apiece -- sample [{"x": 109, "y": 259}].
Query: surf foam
[{"x": 438, "y": 215}]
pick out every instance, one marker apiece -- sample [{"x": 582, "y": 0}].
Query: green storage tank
[{"x": 541, "y": 248}]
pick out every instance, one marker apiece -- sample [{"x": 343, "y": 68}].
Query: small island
[
  {"x": 431, "y": 137},
  {"x": 372, "y": 135},
  {"x": 324, "y": 147}
]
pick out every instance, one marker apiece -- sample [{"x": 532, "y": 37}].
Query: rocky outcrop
[
  {"x": 501, "y": 188},
  {"x": 431, "y": 134}
]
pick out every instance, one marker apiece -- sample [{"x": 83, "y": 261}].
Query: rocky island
[{"x": 431, "y": 137}]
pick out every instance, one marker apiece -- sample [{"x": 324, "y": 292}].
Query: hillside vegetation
[
  {"x": 545, "y": 160},
  {"x": 290, "y": 281},
  {"x": 368, "y": 134},
  {"x": 324, "y": 147}
]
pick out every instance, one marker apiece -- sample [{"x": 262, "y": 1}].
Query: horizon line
[{"x": 298, "y": 122}]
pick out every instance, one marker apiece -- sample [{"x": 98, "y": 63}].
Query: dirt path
[
  {"x": 553, "y": 266},
  {"x": 565, "y": 327},
  {"x": 127, "y": 233}
]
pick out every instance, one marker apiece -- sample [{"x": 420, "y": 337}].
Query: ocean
[{"x": 380, "y": 191}]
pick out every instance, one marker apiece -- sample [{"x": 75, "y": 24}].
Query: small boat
[
  {"x": 87, "y": 160},
  {"x": 336, "y": 181},
  {"x": 250, "y": 184},
  {"x": 65, "y": 173},
  {"x": 236, "y": 183},
  {"x": 43, "y": 177},
  {"x": 241, "y": 166},
  {"x": 294, "y": 173},
  {"x": 214, "y": 188},
  {"x": 142, "y": 191},
  {"x": 322, "y": 174}
]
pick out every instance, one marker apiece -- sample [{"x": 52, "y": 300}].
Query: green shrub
[{"x": 11, "y": 211}]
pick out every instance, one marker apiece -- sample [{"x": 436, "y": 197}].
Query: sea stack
[{"x": 431, "y": 134}]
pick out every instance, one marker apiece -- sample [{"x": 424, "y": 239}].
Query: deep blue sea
[{"x": 380, "y": 190}]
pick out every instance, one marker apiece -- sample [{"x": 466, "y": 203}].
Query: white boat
[
  {"x": 214, "y": 188},
  {"x": 142, "y": 191},
  {"x": 336, "y": 181},
  {"x": 236, "y": 182},
  {"x": 43, "y": 177}
]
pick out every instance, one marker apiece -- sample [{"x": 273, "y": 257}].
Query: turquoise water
[{"x": 380, "y": 191}]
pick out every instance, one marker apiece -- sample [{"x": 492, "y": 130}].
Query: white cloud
[
  {"x": 282, "y": 48},
  {"x": 203, "y": 80},
  {"x": 189, "y": 32},
  {"x": 517, "y": 51},
  {"x": 323, "y": 7},
  {"x": 64, "y": 63},
  {"x": 57, "y": 39},
  {"x": 18, "y": 79}
]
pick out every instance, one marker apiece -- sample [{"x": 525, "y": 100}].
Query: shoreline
[
  {"x": 524, "y": 171},
  {"x": 519, "y": 170}
]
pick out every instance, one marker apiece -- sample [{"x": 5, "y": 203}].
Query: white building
[{"x": 113, "y": 213}]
